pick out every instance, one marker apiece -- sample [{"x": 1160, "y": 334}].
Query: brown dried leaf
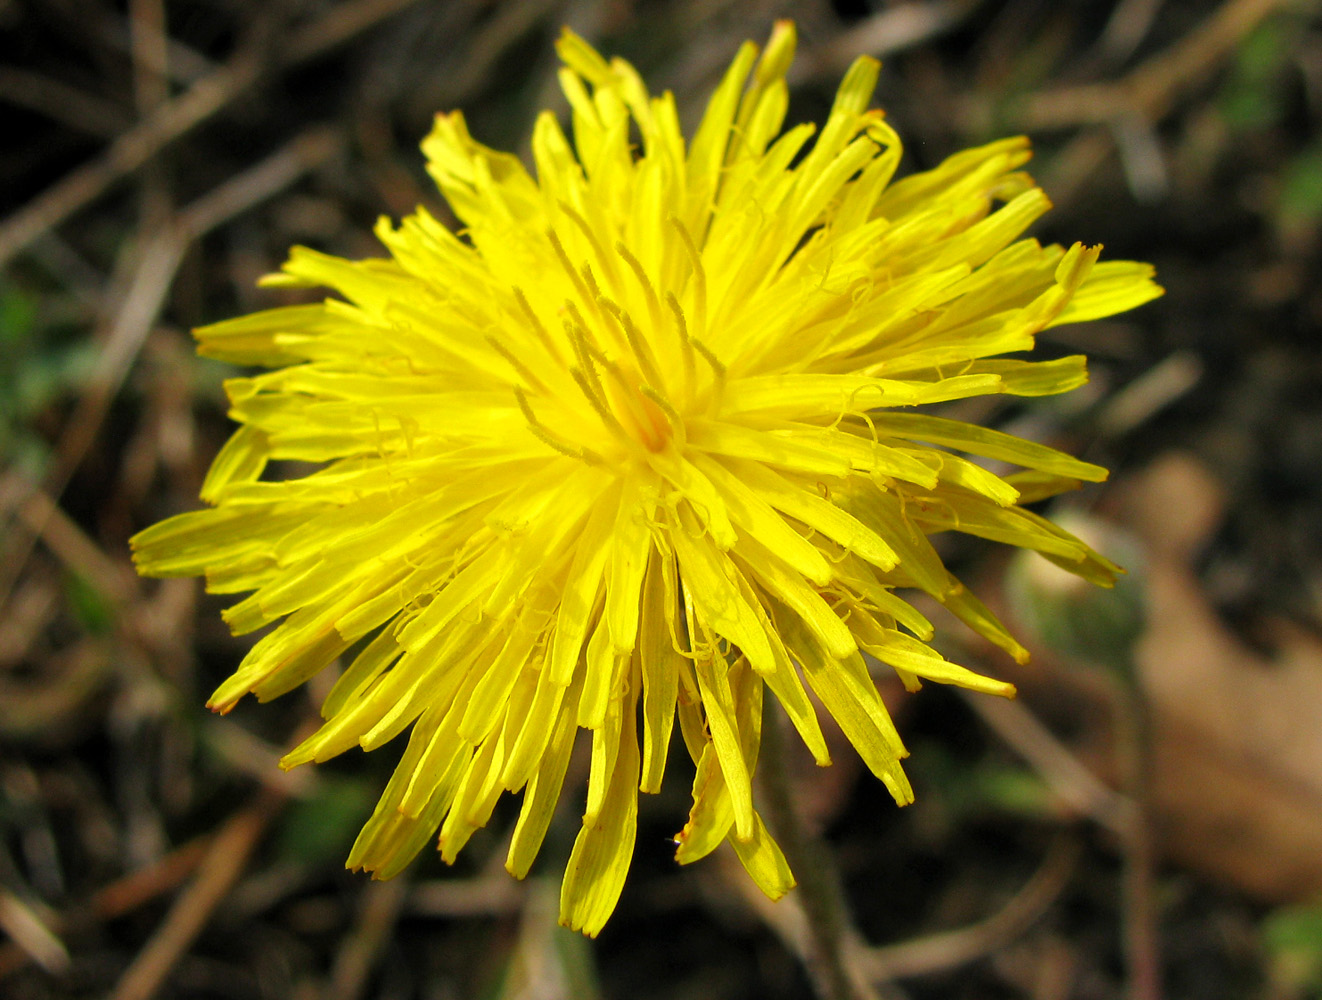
[{"x": 1238, "y": 782}]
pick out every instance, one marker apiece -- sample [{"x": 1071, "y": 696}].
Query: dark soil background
[{"x": 1151, "y": 804}]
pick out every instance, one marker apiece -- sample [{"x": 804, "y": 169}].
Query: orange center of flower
[
  {"x": 635, "y": 379},
  {"x": 640, "y": 417}
]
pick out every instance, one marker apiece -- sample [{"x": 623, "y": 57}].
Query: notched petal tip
[
  {"x": 779, "y": 53},
  {"x": 578, "y": 54}
]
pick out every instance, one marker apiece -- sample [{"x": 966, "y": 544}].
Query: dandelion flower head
[{"x": 637, "y": 445}]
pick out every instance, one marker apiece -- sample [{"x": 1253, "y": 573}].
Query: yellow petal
[
  {"x": 763, "y": 860},
  {"x": 709, "y": 144},
  {"x": 738, "y": 441},
  {"x": 712, "y": 814},
  {"x": 719, "y": 705},
  {"x": 578, "y": 602},
  {"x": 543, "y": 792},
  {"x": 660, "y": 664},
  {"x": 761, "y": 522},
  {"x": 852, "y": 699},
  {"x": 917, "y": 659},
  {"x": 1113, "y": 286},
  {"x": 605, "y": 747},
  {"x": 709, "y": 582},
  {"x": 798, "y": 595},
  {"x": 809, "y": 506},
  {"x": 241, "y": 461},
  {"x": 604, "y": 846},
  {"x": 984, "y": 441},
  {"x": 628, "y": 561},
  {"x": 977, "y": 616}
]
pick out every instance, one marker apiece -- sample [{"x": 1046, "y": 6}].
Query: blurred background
[{"x": 1146, "y": 820}]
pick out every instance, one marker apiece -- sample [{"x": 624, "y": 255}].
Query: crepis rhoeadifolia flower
[{"x": 638, "y": 444}]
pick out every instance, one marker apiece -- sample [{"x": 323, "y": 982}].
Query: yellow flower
[{"x": 634, "y": 445}]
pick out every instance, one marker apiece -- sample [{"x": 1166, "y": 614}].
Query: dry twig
[
  {"x": 899, "y": 27},
  {"x": 83, "y": 556},
  {"x": 71, "y": 106},
  {"x": 155, "y": 272},
  {"x": 225, "y": 860},
  {"x": 120, "y": 897},
  {"x": 381, "y": 905},
  {"x": 177, "y": 117},
  {"x": 951, "y": 949},
  {"x": 1152, "y": 88},
  {"x": 31, "y": 934},
  {"x": 1073, "y": 783}
]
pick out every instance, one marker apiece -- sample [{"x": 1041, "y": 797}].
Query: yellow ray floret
[{"x": 635, "y": 446}]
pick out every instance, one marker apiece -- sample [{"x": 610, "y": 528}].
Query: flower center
[
  {"x": 632, "y": 379},
  {"x": 639, "y": 414}
]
